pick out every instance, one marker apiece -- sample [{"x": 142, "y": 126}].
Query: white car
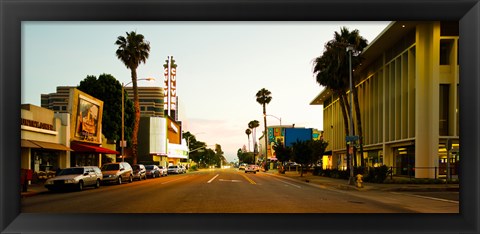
[
  {"x": 174, "y": 169},
  {"x": 251, "y": 168},
  {"x": 163, "y": 171},
  {"x": 75, "y": 178}
]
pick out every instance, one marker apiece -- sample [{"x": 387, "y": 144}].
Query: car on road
[
  {"x": 174, "y": 169},
  {"x": 117, "y": 172},
  {"x": 75, "y": 178},
  {"x": 251, "y": 168},
  {"x": 242, "y": 166},
  {"x": 152, "y": 171},
  {"x": 139, "y": 172},
  {"x": 163, "y": 171}
]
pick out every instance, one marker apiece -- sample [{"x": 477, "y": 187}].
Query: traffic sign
[{"x": 351, "y": 138}]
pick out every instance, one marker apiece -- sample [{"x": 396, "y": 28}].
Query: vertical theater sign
[{"x": 170, "y": 88}]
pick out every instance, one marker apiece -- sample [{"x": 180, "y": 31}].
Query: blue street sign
[{"x": 351, "y": 138}]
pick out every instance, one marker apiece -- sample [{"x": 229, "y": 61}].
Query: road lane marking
[
  {"x": 210, "y": 181},
  {"x": 181, "y": 178},
  {"x": 249, "y": 180},
  {"x": 431, "y": 198},
  {"x": 287, "y": 183},
  {"x": 229, "y": 180}
]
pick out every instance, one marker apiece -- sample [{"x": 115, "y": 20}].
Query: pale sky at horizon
[{"x": 221, "y": 66}]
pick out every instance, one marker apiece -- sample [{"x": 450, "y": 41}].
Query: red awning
[{"x": 77, "y": 147}]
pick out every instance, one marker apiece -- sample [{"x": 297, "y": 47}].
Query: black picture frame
[{"x": 13, "y": 12}]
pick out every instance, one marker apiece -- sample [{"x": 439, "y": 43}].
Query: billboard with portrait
[{"x": 86, "y": 117}]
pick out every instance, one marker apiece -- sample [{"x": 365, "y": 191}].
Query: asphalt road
[{"x": 229, "y": 191}]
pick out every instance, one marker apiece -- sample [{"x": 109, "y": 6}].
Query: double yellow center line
[{"x": 249, "y": 180}]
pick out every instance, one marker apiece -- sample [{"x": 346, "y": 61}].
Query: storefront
[
  {"x": 86, "y": 130},
  {"x": 44, "y": 141}
]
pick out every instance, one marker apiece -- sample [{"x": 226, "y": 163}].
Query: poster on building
[{"x": 86, "y": 117}]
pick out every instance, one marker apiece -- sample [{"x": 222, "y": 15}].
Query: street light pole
[
  {"x": 123, "y": 143},
  {"x": 280, "y": 119},
  {"x": 351, "y": 180}
]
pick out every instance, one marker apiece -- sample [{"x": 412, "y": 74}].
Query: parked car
[
  {"x": 183, "y": 169},
  {"x": 75, "y": 178},
  {"x": 163, "y": 171},
  {"x": 117, "y": 172},
  {"x": 139, "y": 172},
  {"x": 174, "y": 169},
  {"x": 257, "y": 168},
  {"x": 251, "y": 168},
  {"x": 152, "y": 171}
]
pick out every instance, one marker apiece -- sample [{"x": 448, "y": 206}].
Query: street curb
[{"x": 367, "y": 187}]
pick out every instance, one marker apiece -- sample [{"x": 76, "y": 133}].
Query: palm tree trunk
[
  {"x": 248, "y": 142},
  {"x": 359, "y": 125},
  {"x": 342, "y": 97},
  {"x": 265, "y": 135},
  {"x": 350, "y": 114},
  {"x": 137, "y": 116}
]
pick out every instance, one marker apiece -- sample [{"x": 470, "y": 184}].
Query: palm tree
[
  {"x": 132, "y": 51},
  {"x": 327, "y": 74},
  {"x": 248, "y": 132},
  {"x": 354, "y": 39},
  {"x": 253, "y": 126},
  {"x": 263, "y": 98},
  {"x": 332, "y": 71}
]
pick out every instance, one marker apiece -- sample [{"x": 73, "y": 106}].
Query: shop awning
[
  {"x": 77, "y": 147},
  {"x": 44, "y": 145}
]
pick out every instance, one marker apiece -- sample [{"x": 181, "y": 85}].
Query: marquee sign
[{"x": 170, "y": 90}]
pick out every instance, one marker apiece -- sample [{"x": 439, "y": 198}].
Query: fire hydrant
[{"x": 359, "y": 181}]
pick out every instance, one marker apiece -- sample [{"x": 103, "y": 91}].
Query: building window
[
  {"x": 444, "y": 108},
  {"x": 446, "y": 47}
]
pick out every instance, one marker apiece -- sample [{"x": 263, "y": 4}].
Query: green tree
[
  {"x": 318, "y": 149},
  {"x": 195, "y": 147},
  {"x": 282, "y": 152},
  {"x": 302, "y": 154},
  {"x": 263, "y": 98},
  {"x": 132, "y": 51},
  {"x": 109, "y": 90}
]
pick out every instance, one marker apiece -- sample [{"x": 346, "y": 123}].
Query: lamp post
[
  {"x": 123, "y": 144},
  {"x": 280, "y": 119},
  {"x": 351, "y": 180}
]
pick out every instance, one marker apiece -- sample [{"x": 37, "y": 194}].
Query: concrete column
[{"x": 427, "y": 98}]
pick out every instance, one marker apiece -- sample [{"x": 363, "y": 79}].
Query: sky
[{"x": 221, "y": 66}]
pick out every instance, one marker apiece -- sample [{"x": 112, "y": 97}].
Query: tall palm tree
[
  {"x": 248, "y": 132},
  {"x": 132, "y": 51},
  {"x": 263, "y": 98},
  {"x": 332, "y": 71},
  {"x": 354, "y": 39},
  {"x": 253, "y": 126}
]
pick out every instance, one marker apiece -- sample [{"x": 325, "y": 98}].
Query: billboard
[
  {"x": 86, "y": 119},
  {"x": 294, "y": 134}
]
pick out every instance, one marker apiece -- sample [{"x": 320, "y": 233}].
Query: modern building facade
[
  {"x": 150, "y": 98},
  {"x": 409, "y": 102}
]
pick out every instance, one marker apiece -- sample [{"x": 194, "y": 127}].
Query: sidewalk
[
  {"x": 343, "y": 184},
  {"x": 33, "y": 190}
]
